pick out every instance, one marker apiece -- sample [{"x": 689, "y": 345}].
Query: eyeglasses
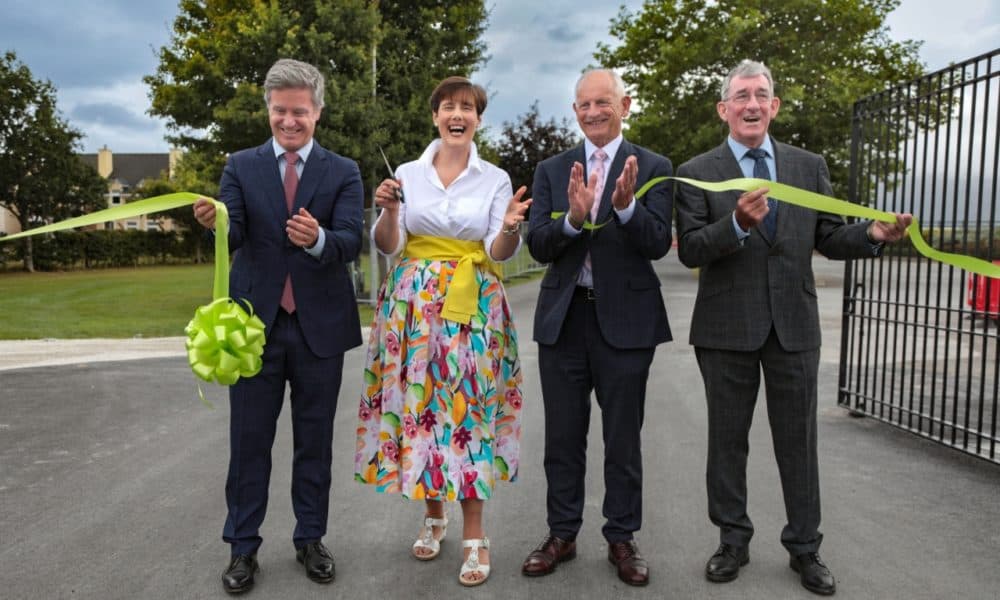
[{"x": 762, "y": 97}]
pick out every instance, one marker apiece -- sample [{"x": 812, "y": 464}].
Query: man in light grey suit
[{"x": 756, "y": 309}]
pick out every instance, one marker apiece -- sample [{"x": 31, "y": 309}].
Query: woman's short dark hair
[{"x": 455, "y": 87}]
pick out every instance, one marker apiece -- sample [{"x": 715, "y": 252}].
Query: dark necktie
[
  {"x": 760, "y": 171},
  {"x": 291, "y": 186}
]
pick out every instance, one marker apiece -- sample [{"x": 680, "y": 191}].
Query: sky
[{"x": 96, "y": 54}]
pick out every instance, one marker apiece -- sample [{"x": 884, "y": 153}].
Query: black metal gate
[{"x": 920, "y": 347}]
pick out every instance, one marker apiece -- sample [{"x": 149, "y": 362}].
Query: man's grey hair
[
  {"x": 746, "y": 68},
  {"x": 616, "y": 81},
  {"x": 289, "y": 73}
]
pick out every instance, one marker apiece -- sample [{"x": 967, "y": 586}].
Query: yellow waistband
[{"x": 461, "y": 298}]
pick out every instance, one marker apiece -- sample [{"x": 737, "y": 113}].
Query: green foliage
[
  {"x": 824, "y": 56},
  {"x": 102, "y": 248},
  {"x": 41, "y": 177},
  {"x": 209, "y": 82},
  {"x": 529, "y": 141}
]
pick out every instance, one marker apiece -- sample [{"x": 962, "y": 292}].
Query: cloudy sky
[{"x": 96, "y": 54}]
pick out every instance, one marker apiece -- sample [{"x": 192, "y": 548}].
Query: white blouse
[{"x": 471, "y": 208}]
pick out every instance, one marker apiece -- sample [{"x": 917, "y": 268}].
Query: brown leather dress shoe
[
  {"x": 632, "y": 568},
  {"x": 547, "y": 555}
]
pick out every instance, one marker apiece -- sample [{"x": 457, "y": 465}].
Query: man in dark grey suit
[
  {"x": 598, "y": 318},
  {"x": 756, "y": 309}
]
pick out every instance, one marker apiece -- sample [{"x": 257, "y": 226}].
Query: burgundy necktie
[{"x": 291, "y": 186}]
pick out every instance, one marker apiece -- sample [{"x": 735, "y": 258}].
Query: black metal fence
[{"x": 920, "y": 347}]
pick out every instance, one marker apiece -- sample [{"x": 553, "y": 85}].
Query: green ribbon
[
  {"x": 821, "y": 203},
  {"x": 224, "y": 341}
]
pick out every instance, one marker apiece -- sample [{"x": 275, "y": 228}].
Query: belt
[{"x": 584, "y": 293}]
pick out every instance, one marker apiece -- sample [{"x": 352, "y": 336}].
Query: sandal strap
[
  {"x": 476, "y": 544},
  {"x": 432, "y": 522}
]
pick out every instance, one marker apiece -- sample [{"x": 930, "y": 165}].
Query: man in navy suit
[
  {"x": 295, "y": 217},
  {"x": 598, "y": 320}
]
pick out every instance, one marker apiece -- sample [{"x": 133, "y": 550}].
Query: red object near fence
[{"x": 983, "y": 300}]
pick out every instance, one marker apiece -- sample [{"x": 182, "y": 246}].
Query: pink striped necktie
[
  {"x": 597, "y": 167},
  {"x": 597, "y": 159}
]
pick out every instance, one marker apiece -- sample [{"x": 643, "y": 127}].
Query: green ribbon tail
[
  {"x": 125, "y": 211},
  {"x": 225, "y": 342},
  {"x": 821, "y": 203},
  {"x": 220, "y": 287}
]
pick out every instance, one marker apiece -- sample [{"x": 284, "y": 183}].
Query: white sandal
[
  {"x": 472, "y": 564},
  {"x": 427, "y": 539}
]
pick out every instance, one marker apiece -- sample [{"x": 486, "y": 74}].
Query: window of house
[
  {"x": 116, "y": 199},
  {"x": 131, "y": 225}
]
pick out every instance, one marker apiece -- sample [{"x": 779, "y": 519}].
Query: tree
[
  {"x": 208, "y": 84},
  {"x": 42, "y": 179},
  {"x": 824, "y": 56},
  {"x": 421, "y": 44},
  {"x": 193, "y": 173},
  {"x": 528, "y": 141}
]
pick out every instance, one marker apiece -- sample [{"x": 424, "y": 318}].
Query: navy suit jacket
[
  {"x": 628, "y": 301},
  {"x": 330, "y": 189}
]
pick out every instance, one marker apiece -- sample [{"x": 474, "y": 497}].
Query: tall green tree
[
  {"x": 824, "y": 55},
  {"x": 42, "y": 179},
  {"x": 529, "y": 140},
  {"x": 381, "y": 61}
]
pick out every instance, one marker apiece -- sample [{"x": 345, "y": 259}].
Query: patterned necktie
[
  {"x": 598, "y": 159},
  {"x": 291, "y": 186},
  {"x": 760, "y": 171},
  {"x": 597, "y": 167}
]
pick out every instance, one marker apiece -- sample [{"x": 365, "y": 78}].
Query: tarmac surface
[{"x": 112, "y": 475}]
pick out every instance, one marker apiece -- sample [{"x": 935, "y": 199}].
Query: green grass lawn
[{"x": 110, "y": 303}]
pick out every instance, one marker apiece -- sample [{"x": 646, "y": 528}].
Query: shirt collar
[
  {"x": 739, "y": 150},
  {"x": 611, "y": 148},
  {"x": 303, "y": 152},
  {"x": 427, "y": 158}
]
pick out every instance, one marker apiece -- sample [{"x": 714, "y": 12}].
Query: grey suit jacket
[
  {"x": 628, "y": 302},
  {"x": 744, "y": 289}
]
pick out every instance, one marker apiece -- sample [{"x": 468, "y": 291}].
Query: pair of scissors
[{"x": 392, "y": 173}]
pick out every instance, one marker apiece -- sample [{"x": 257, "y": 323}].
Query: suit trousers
[
  {"x": 732, "y": 381},
  {"x": 581, "y": 361},
  {"x": 255, "y": 404}
]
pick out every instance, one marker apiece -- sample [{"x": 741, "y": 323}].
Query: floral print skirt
[{"x": 439, "y": 417}]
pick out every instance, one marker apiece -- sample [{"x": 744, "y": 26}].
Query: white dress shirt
[
  {"x": 586, "y": 278},
  {"x": 471, "y": 208}
]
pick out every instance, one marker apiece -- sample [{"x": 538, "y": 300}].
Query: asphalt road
[{"x": 112, "y": 474}]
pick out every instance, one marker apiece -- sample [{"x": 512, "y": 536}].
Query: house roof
[{"x": 131, "y": 169}]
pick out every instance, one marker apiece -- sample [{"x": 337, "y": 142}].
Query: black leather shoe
[
  {"x": 815, "y": 576},
  {"x": 726, "y": 562},
  {"x": 238, "y": 576},
  {"x": 318, "y": 562}
]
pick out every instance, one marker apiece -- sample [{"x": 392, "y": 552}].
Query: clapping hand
[
  {"x": 516, "y": 210},
  {"x": 580, "y": 194}
]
